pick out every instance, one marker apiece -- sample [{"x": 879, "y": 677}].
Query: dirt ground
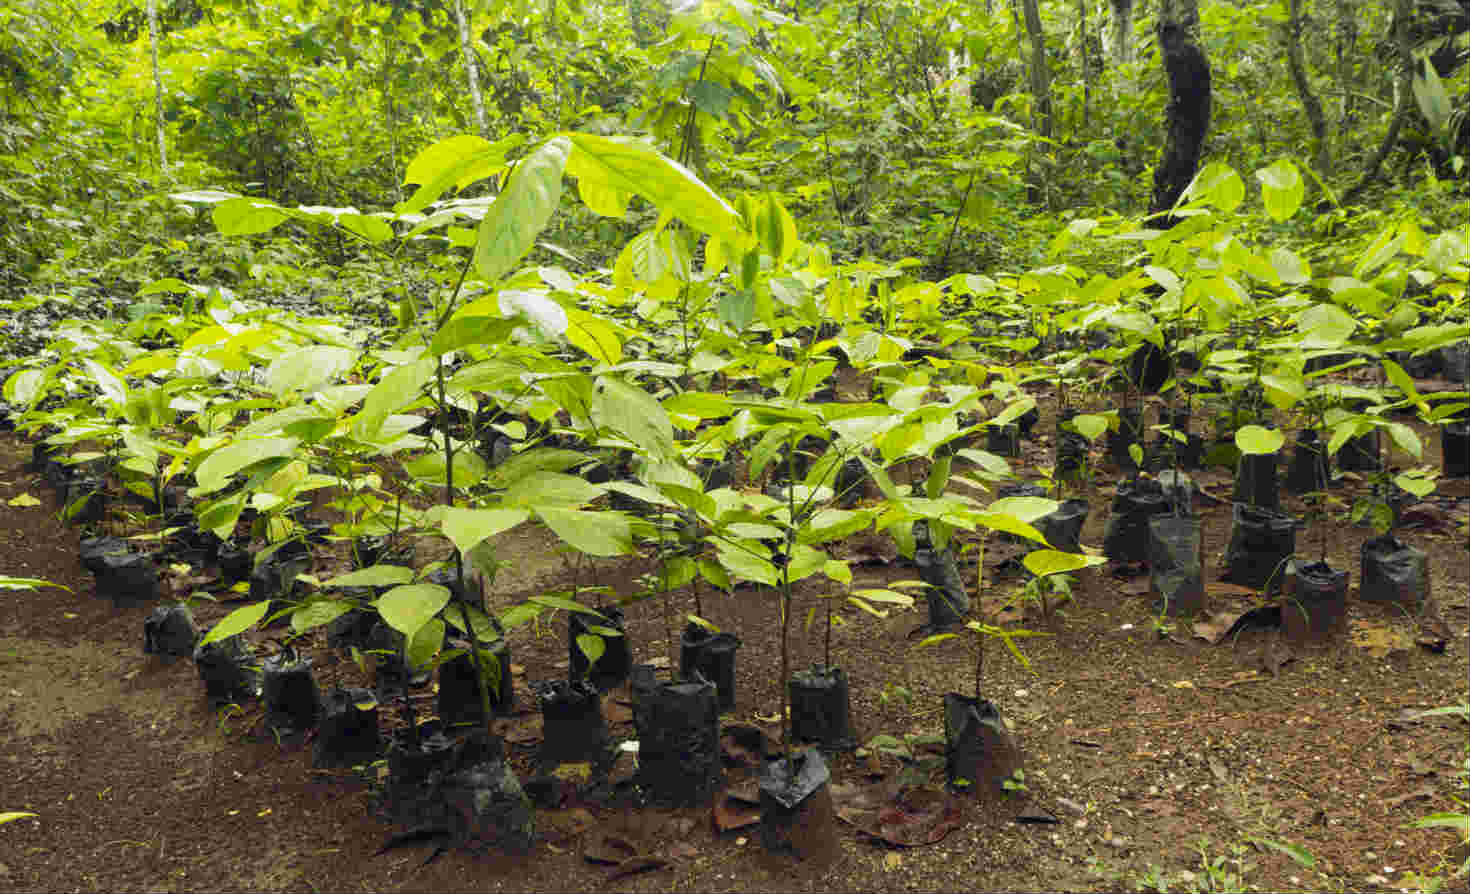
[{"x": 1144, "y": 749}]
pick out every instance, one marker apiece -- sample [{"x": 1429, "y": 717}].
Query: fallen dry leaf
[
  {"x": 732, "y": 813},
  {"x": 905, "y": 817},
  {"x": 1379, "y": 640},
  {"x": 1423, "y": 792}
]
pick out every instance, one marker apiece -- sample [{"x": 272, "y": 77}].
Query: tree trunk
[
  {"x": 1122, "y": 31},
  {"x": 157, "y": 87},
  {"x": 1040, "y": 74},
  {"x": 389, "y": 46},
  {"x": 1346, "y": 35},
  {"x": 466, "y": 49},
  {"x": 1088, "y": 72},
  {"x": 1402, "y": 90},
  {"x": 1310, "y": 103},
  {"x": 1188, "y": 112}
]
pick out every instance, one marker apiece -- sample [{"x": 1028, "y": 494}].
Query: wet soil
[{"x": 1144, "y": 743}]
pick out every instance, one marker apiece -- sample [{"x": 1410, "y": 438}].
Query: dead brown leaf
[
  {"x": 905, "y": 817},
  {"x": 1379, "y": 640}
]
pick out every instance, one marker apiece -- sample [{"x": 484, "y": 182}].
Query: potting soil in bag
[
  {"x": 1360, "y": 454},
  {"x": 1261, "y": 542},
  {"x": 485, "y": 806},
  {"x": 1003, "y": 440},
  {"x": 459, "y": 684},
  {"x": 354, "y": 627},
  {"x": 821, "y": 708},
  {"x": 347, "y": 734},
  {"x": 235, "y": 562},
  {"x": 275, "y": 579},
  {"x": 1126, "y": 535},
  {"x": 1454, "y": 440},
  {"x": 1175, "y": 563},
  {"x": 617, "y": 657},
  {"x": 417, "y": 762},
  {"x": 712, "y": 656},
  {"x": 391, "y": 668},
  {"x": 170, "y": 631},
  {"x": 1315, "y": 604},
  {"x": 1178, "y": 489},
  {"x": 949, "y": 601},
  {"x": 1129, "y": 432},
  {"x": 980, "y": 752},
  {"x": 93, "y": 549},
  {"x": 573, "y": 729},
  {"x": 679, "y": 743},
  {"x": 1311, "y": 468},
  {"x": 292, "y": 699},
  {"x": 1071, "y": 449},
  {"x": 797, "y": 816},
  {"x": 1455, "y": 360},
  {"x": 1393, "y": 571},
  {"x": 1062, "y": 527},
  {"x": 229, "y": 670},
  {"x": 1255, "y": 480},
  {"x": 128, "y": 579}
]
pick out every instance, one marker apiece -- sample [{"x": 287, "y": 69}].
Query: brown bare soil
[{"x": 1144, "y": 745}]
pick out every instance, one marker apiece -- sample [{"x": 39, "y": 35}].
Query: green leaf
[
  {"x": 425, "y": 642},
  {"x": 215, "y": 471},
  {"x": 591, "y": 646},
  {"x": 409, "y": 607},
  {"x": 454, "y": 162},
  {"x": 1460, "y": 822},
  {"x": 1042, "y": 562},
  {"x": 394, "y": 391},
  {"x": 23, "y": 388},
  {"x": 561, "y": 603},
  {"x": 935, "y": 640},
  {"x": 745, "y": 564},
  {"x": 430, "y": 468},
  {"x": 540, "y": 490},
  {"x": 1406, "y": 438},
  {"x": 237, "y": 621},
  {"x": 1090, "y": 426},
  {"x": 1255, "y": 440},
  {"x": 1434, "y": 101},
  {"x": 11, "y": 816},
  {"x": 468, "y": 528},
  {"x": 316, "y": 613},
  {"x": 637, "y": 415},
  {"x": 1282, "y": 189},
  {"x": 246, "y": 216},
  {"x": 306, "y": 369},
  {"x": 1324, "y": 326},
  {"x": 593, "y": 533},
  {"x": 1027, "y": 509},
  {"x": 1284, "y": 390},
  {"x": 593, "y": 335},
  {"x": 737, "y": 308},
  {"x": 374, "y": 576},
  {"x": 623, "y": 165},
  {"x": 1218, "y": 184},
  {"x": 1296, "y": 852},
  {"x": 832, "y": 524},
  {"x": 522, "y": 210}
]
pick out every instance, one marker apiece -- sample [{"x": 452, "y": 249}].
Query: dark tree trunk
[
  {"x": 1403, "y": 10},
  {"x": 1188, "y": 116}
]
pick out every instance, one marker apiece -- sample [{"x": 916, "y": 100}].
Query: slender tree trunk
[
  {"x": 1310, "y": 103},
  {"x": 1040, "y": 74},
  {"x": 1188, "y": 112},
  {"x": 389, "y": 54},
  {"x": 1087, "y": 63},
  {"x": 1122, "y": 31},
  {"x": 157, "y": 87},
  {"x": 1346, "y": 34},
  {"x": 466, "y": 49},
  {"x": 1402, "y": 91}
]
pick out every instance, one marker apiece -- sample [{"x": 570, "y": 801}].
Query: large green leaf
[
  {"x": 1255, "y": 440},
  {"x": 467, "y": 528},
  {"x": 521, "y": 211},
  {"x": 318, "y": 612},
  {"x": 215, "y": 471},
  {"x": 237, "y": 621},
  {"x": 1281, "y": 189},
  {"x": 539, "y": 490},
  {"x": 593, "y": 533},
  {"x": 454, "y": 162},
  {"x": 1042, "y": 562},
  {"x": 306, "y": 369},
  {"x": 407, "y": 608},
  {"x": 1324, "y": 326},
  {"x": 246, "y": 217},
  {"x": 396, "y": 390},
  {"x": 627, "y": 166},
  {"x": 637, "y": 415},
  {"x": 374, "y": 576},
  {"x": 746, "y": 565},
  {"x": 424, "y": 643},
  {"x": 23, "y": 388},
  {"x": 594, "y": 335},
  {"x": 430, "y": 468}
]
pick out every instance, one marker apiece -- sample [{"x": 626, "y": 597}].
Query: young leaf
[
  {"x": 1043, "y": 562},
  {"x": 375, "y": 576},
  {"x": 593, "y": 533},
  {"x": 409, "y": 607},
  {"x": 237, "y": 621},
  {"x": 521, "y": 211},
  {"x": 1256, "y": 440},
  {"x": 592, "y": 646}
]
